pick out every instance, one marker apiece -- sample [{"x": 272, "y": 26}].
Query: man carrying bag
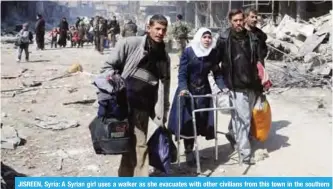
[{"x": 145, "y": 67}]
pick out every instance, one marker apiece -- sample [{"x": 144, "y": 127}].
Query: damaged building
[
  {"x": 15, "y": 13},
  {"x": 213, "y": 13}
]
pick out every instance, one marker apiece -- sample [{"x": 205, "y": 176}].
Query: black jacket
[
  {"x": 262, "y": 37},
  {"x": 223, "y": 47},
  {"x": 113, "y": 27},
  {"x": 40, "y": 26}
]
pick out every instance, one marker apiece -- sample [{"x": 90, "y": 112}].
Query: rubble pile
[
  {"x": 295, "y": 75},
  {"x": 306, "y": 47}
]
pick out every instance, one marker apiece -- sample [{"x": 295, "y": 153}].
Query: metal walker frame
[{"x": 195, "y": 136}]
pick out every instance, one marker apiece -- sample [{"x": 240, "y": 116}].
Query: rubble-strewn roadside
[
  {"x": 306, "y": 49},
  {"x": 53, "y": 147}
]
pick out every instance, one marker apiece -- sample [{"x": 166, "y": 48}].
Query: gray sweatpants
[{"x": 239, "y": 126}]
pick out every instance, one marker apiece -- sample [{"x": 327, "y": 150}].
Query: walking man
[
  {"x": 237, "y": 50},
  {"x": 113, "y": 30},
  {"x": 251, "y": 19},
  {"x": 145, "y": 66}
]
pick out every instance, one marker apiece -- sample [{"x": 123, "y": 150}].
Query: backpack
[
  {"x": 24, "y": 37},
  {"x": 110, "y": 136}
]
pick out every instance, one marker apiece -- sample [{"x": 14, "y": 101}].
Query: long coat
[
  {"x": 63, "y": 27},
  {"x": 193, "y": 76}
]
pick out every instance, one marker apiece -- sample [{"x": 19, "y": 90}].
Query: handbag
[{"x": 110, "y": 136}]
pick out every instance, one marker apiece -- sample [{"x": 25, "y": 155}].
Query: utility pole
[
  {"x": 211, "y": 20},
  {"x": 229, "y": 5},
  {"x": 196, "y": 15}
]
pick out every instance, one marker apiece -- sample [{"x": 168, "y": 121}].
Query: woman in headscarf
[
  {"x": 63, "y": 26},
  {"x": 196, "y": 62}
]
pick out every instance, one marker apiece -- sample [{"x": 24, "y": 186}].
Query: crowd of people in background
[
  {"x": 99, "y": 31},
  {"x": 241, "y": 49}
]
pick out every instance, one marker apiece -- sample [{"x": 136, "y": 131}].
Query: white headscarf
[{"x": 198, "y": 48}]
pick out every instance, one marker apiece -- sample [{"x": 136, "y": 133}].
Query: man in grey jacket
[{"x": 145, "y": 65}]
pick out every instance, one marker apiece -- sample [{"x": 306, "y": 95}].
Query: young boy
[{"x": 24, "y": 38}]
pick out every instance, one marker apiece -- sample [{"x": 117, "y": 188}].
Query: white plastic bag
[
  {"x": 222, "y": 100},
  {"x": 213, "y": 86}
]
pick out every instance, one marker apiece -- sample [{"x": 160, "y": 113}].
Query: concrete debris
[
  {"x": 14, "y": 77},
  {"x": 25, "y": 110},
  {"x": 8, "y": 77},
  {"x": 311, "y": 43},
  {"x": 295, "y": 75},
  {"x": 306, "y": 50},
  {"x": 72, "y": 90},
  {"x": 320, "y": 104},
  {"x": 60, "y": 161},
  {"x": 10, "y": 138},
  {"x": 22, "y": 90},
  {"x": 86, "y": 101},
  {"x": 299, "y": 39},
  {"x": 32, "y": 84},
  {"x": 8, "y": 39},
  {"x": 51, "y": 122}
]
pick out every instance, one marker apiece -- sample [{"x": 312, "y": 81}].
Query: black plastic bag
[{"x": 162, "y": 150}]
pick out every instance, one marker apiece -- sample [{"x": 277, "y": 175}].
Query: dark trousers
[
  {"x": 40, "y": 40},
  {"x": 101, "y": 43},
  {"x": 80, "y": 43},
  {"x": 25, "y": 48},
  {"x": 54, "y": 42},
  {"x": 96, "y": 40},
  {"x": 188, "y": 144}
]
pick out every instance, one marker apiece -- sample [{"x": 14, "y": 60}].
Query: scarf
[{"x": 198, "y": 48}]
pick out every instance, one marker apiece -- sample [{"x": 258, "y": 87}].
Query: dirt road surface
[{"x": 300, "y": 141}]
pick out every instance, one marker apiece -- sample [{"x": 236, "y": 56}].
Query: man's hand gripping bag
[{"x": 261, "y": 119}]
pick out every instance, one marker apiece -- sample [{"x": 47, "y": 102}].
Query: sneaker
[{"x": 18, "y": 60}]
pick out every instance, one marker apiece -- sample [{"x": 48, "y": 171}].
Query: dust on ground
[{"x": 300, "y": 141}]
